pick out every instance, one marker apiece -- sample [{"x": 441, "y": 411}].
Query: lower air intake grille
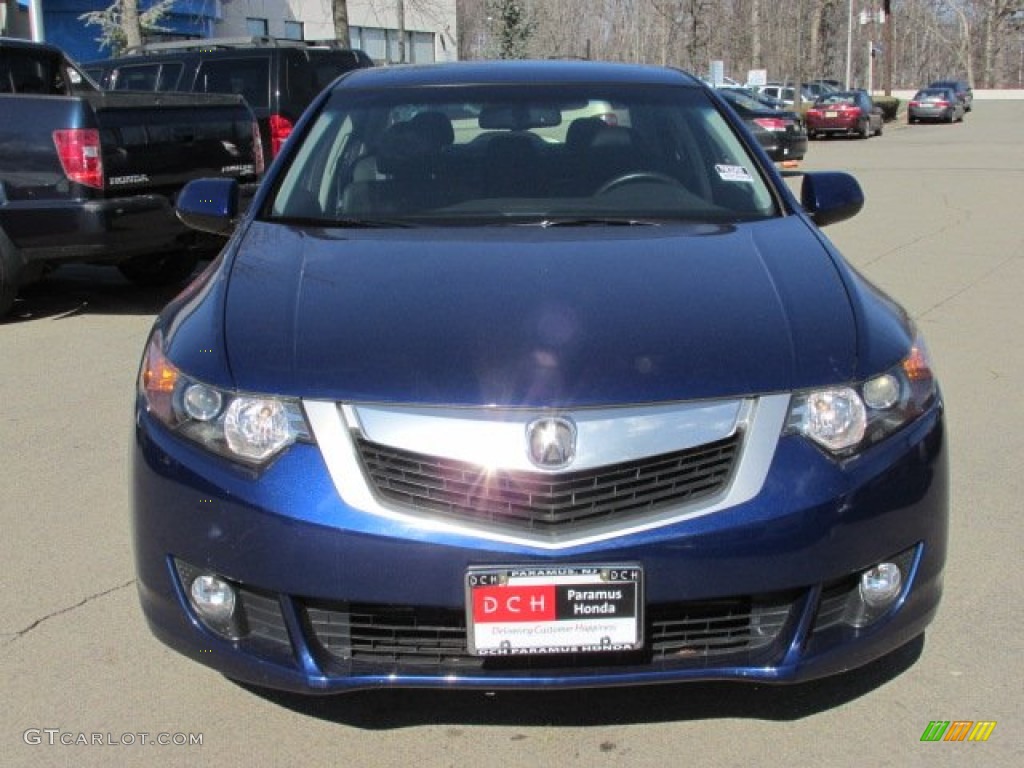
[{"x": 392, "y": 638}]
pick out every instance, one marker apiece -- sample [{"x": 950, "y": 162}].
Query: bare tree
[
  {"x": 121, "y": 25},
  {"x": 935, "y": 38},
  {"x": 514, "y": 25},
  {"x": 339, "y": 12},
  {"x": 997, "y": 21}
]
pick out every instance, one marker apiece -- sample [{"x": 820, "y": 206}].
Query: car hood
[{"x": 539, "y": 317}]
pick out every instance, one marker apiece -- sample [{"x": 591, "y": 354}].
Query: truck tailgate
[{"x": 158, "y": 142}]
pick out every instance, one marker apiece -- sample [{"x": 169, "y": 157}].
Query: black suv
[
  {"x": 278, "y": 78},
  {"x": 961, "y": 88}
]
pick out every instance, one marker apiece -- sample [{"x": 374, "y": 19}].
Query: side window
[
  {"x": 97, "y": 74},
  {"x": 327, "y": 65},
  {"x": 170, "y": 74},
  {"x": 28, "y": 72},
  {"x": 301, "y": 80},
  {"x": 73, "y": 80},
  {"x": 136, "y": 77},
  {"x": 249, "y": 77},
  {"x": 6, "y": 82}
]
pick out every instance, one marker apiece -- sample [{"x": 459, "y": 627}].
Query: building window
[
  {"x": 257, "y": 27},
  {"x": 421, "y": 47},
  {"x": 374, "y": 43},
  {"x": 293, "y": 30}
]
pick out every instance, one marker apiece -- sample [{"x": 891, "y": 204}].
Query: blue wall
[{"x": 63, "y": 27}]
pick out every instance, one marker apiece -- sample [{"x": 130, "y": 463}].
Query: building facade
[{"x": 376, "y": 26}]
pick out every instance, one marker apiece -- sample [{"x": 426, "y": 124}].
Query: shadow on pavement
[
  {"x": 84, "y": 289},
  {"x": 403, "y": 708}
]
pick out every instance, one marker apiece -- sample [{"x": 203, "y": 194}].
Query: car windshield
[{"x": 521, "y": 155}]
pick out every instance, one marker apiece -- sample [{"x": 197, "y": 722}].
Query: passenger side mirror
[
  {"x": 831, "y": 196},
  {"x": 209, "y": 205}
]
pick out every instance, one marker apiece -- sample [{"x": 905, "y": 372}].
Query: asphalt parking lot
[{"x": 85, "y": 684}]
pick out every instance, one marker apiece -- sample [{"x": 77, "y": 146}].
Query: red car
[{"x": 844, "y": 112}]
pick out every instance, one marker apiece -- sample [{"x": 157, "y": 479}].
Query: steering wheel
[{"x": 633, "y": 177}]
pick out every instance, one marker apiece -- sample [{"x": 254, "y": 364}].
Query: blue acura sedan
[{"x": 533, "y": 374}]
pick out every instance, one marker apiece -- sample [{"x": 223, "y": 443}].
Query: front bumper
[{"x": 335, "y": 599}]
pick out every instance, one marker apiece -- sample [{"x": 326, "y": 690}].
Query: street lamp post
[
  {"x": 849, "y": 44},
  {"x": 35, "y": 20}
]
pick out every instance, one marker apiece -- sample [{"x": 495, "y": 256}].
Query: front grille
[
  {"x": 387, "y": 638},
  {"x": 545, "y": 504}
]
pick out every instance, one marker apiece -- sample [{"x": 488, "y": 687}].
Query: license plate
[
  {"x": 831, "y": 114},
  {"x": 532, "y": 610}
]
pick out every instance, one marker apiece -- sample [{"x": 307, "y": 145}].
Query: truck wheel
[
  {"x": 8, "y": 281},
  {"x": 161, "y": 269}
]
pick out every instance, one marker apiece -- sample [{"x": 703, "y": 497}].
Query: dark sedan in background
[
  {"x": 961, "y": 88},
  {"x": 844, "y": 113},
  {"x": 781, "y": 133},
  {"x": 484, "y": 392},
  {"x": 939, "y": 104}
]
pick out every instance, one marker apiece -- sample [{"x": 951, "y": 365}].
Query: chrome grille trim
[
  {"x": 496, "y": 437},
  {"x": 627, "y": 434}
]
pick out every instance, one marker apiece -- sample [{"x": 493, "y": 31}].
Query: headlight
[
  {"x": 244, "y": 427},
  {"x": 847, "y": 419}
]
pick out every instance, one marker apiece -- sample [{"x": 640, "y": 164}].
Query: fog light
[
  {"x": 880, "y": 585},
  {"x": 213, "y": 598}
]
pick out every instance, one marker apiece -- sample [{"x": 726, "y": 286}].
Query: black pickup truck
[{"x": 91, "y": 176}]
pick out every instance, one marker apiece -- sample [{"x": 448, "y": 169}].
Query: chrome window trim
[{"x": 607, "y": 436}]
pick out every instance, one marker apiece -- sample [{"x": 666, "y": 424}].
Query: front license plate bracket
[{"x": 544, "y": 610}]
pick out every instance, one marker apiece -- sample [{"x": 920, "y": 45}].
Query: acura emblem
[{"x": 552, "y": 442}]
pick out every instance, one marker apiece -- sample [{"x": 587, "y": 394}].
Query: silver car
[{"x": 940, "y": 104}]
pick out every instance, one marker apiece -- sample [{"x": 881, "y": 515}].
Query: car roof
[
  {"x": 312, "y": 53},
  {"x": 506, "y": 72},
  {"x": 17, "y": 42}
]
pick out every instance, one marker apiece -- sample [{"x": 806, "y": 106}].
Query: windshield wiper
[
  {"x": 354, "y": 223},
  {"x": 345, "y": 222},
  {"x": 594, "y": 221}
]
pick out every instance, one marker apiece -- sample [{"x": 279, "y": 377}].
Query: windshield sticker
[{"x": 734, "y": 173}]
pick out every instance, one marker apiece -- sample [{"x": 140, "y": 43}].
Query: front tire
[{"x": 161, "y": 269}]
